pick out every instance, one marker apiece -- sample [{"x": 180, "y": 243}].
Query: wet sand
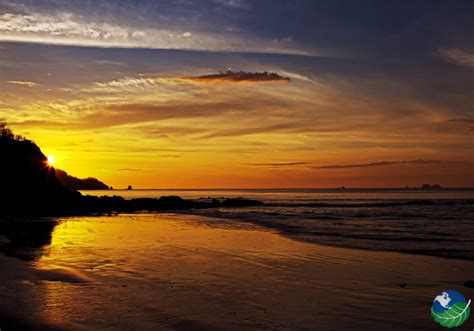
[{"x": 167, "y": 271}]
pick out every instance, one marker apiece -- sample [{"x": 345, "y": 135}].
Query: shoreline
[
  {"x": 49, "y": 222},
  {"x": 84, "y": 205},
  {"x": 396, "y": 288}
]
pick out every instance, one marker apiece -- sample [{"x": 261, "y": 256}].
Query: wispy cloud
[
  {"x": 239, "y": 4},
  {"x": 127, "y": 84},
  {"x": 278, "y": 164},
  {"x": 68, "y": 28},
  {"x": 468, "y": 123},
  {"x": 230, "y": 76},
  {"x": 111, "y": 115},
  {"x": 377, "y": 164},
  {"x": 23, "y": 83},
  {"x": 297, "y": 76},
  {"x": 458, "y": 56},
  {"x": 141, "y": 83},
  {"x": 110, "y": 63},
  {"x": 289, "y": 127}
]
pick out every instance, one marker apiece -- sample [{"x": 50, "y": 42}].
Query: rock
[{"x": 240, "y": 202}]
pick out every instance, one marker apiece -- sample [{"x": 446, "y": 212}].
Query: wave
[
  {"x": 431, "y": 227},
  {"x": 364, "y": 204}
]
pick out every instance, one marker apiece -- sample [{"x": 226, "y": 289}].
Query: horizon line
[{"x": 290, "y": 188}]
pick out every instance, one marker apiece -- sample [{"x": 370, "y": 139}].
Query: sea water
[{"x": 437, "y": 222}]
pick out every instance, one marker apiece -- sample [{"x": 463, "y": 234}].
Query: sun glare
[{"x": 51, "y": 160}]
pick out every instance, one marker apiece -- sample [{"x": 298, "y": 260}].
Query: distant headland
[{"x": 75, "y": 183}]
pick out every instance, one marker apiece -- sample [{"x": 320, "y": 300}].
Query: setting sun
[{"x": 51, "y": 160}]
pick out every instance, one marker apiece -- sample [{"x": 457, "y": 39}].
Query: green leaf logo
[{"x": 454, "y": 317}]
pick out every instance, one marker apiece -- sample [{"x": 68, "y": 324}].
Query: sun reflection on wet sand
[{"x": 176, "y": 271}]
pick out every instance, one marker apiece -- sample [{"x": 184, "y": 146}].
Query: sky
[{"x": 178, "y": 94}]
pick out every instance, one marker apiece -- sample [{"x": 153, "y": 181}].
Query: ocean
[
  {"x": 274, "y": 267},
  {"x": 431, "y": 222}
]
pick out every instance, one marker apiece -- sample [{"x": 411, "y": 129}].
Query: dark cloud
[
  {"x": 230, "y": 76},
  {"x": 377, "y": 164},
  {"x": 468, "y": 123},
  {"x": 282, "y": 164}
]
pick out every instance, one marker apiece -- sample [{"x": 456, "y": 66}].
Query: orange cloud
[
  {"x": 278, "y": 164},
  {"x": 377, "y": 164},
  {"x": 467, "y": 123}
]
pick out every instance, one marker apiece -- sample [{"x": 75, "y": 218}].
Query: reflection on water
[
  {"x": 151, "y": 272},
  {"x": 25, "y": 239},
  {"x": 436, "y": 223}
]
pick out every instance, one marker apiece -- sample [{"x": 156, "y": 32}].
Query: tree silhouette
[{"x": 6, "y": 133}]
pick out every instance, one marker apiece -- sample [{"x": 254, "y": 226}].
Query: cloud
[
  {"x": 110, "y": 115},
  {"x": 23, "y": 83},
  {"x": 293, "y": 75},
  {"x": 235, "y": 4},
  {"x": 377, "y": 164},
  {"x": 68, "y": 28},
  {"x": 230, "y": 76},
  {"x": 282, "y": 164},
  {"x": 114, "y": 115},
  {"x": 111, "y": 63},
  {"x": 288, "y": 127},
  {"x": 159, "y": 87},
  {"x": 468, "y": 123},
  {"x": 127, "y": 84},
  {"x": 141, "y": 82},
  {"x": 458, "y": 56}
]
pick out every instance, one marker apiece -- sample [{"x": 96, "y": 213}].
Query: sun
[{"x": 51, "y": 160}]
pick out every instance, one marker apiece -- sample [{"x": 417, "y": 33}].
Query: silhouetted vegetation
[
  {"x": 75, "y": 183},
  {"x": 28, "y": 184}
]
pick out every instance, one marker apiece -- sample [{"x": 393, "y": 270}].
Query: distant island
[
  {"x": 431, "y": 187},
  {"x": 29, "y": 186}
]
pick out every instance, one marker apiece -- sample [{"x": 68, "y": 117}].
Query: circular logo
[{"x": 450, "y": 309}]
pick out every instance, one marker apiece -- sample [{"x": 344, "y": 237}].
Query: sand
[{"x": 149, "y": 272}]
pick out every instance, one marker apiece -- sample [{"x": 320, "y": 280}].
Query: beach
[
  {"x": 181, "y": 272},
  {"x": 236, "y": 165}
]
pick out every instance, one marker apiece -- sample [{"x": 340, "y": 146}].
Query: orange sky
[
  {"x": 133, "y": 111},
  {"x": 166, "y": 133}
]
